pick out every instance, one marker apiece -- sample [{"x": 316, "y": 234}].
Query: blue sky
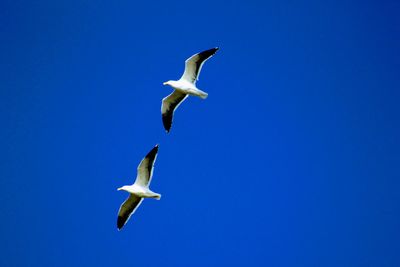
[{"x": 293, "y": 160}]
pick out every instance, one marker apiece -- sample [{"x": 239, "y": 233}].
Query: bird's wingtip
[
  {"x": 120, "y": 223},
  {"x": 154, "y": 150}
]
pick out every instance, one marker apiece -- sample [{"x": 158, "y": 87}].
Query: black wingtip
[
  {"x": 167, "y": 121},
  {"x": 120, "y": 223},
  {"x": 152, "y": 152},
  {"x": 213, "y": 50},
  {"x": 167, "y": 127},
  {"x": 155, "y": 149},
  {"x": 209, "y": 52}
]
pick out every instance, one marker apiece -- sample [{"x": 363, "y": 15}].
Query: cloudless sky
[{"x": 292, "y": 160}]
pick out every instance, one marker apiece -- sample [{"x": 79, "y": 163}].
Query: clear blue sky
[{"x": 293, "y": 160}]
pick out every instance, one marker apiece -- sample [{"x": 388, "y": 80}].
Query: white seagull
[
  {"x": 139, "y": 190},
  {"x": 185, "y": 86}
]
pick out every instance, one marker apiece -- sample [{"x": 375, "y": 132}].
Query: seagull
[
  {"x": 185, "y": 86},
  {"x": 139, "y": 190}
]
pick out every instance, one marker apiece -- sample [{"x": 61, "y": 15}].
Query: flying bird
[
  {"x": 139, "y": 190},
  {"x": 185, "y": 86}
]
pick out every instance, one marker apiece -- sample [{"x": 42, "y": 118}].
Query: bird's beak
[
  {"x": 119, "y": 189},
  {"x": 164, "y": 83}
]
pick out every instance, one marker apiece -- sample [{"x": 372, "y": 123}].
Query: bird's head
[
  {"x": 167, "y": 83},
  {"x": 123, "y": 188}
]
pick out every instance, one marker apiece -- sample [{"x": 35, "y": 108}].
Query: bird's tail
[
  {"x": 201, "y": 94},
  {"x": 155, "y": 195}
]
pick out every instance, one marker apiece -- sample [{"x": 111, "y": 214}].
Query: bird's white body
[
  {"x": 187, "y": 87},
  {"x": 140, "y": 191}
]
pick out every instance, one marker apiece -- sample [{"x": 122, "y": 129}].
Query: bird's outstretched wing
[
  {"x": 194, "y": 63},
  {"x": 127, "y": 209},
  {"x": 169, "y": 104},
  {"x": 145, "y": 168}
]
